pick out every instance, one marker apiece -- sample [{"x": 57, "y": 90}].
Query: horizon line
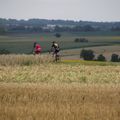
[{"x": 26, "y": 19}]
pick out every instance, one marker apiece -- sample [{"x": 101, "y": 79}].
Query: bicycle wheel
[{"x": 57, "y": 58}]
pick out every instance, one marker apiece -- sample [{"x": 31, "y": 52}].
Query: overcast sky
[{"x": 88, "y": 10}]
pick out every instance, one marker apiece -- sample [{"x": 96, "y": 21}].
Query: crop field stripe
[{"x": 82, "y": 62}]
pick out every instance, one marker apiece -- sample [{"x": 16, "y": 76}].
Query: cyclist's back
[
  {"x": 37, "y": 48},
  {"x": 55, "y": 48}
]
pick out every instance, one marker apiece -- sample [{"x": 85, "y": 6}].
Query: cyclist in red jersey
[{"x": 37, "y": 48}]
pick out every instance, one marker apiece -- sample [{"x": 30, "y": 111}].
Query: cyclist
[
  {"x": 55, "y": 49},
  {"x": 37, "y": 48}
]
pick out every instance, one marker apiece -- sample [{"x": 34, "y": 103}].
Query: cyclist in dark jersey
[{"x": 55, "y": 48}]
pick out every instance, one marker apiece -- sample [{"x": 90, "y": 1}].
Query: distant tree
[
  {"x": 58, "y": 35},
  {"x": 119, "y": 59},
  {"x": 18, "y": 28},
  {"x": 76, "y": 40},
  {"x": 58, "y": 29},
  {"x": 37, "y": 29},
  {"x": 81, "y": 40},
  {"x": 85, "y": 28},
  {"x": 87, "y": 54},
  {"x": 101, "y": 58},
  {"x": 2, "y": 30},
  {"x": 115, "y": 58},
  {"x": 77, "y": 28},
  {"x": 4, "y": 51},
  {"x": 88, "y": 28},
  {"x": 117, "y": 28}
]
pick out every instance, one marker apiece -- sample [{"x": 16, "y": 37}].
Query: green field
[{"x": 23, "y": 43}]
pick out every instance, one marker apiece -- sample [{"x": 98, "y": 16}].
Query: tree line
[
  {"x": 44, "y": 25},
  {"x": 89, "y": 55}
]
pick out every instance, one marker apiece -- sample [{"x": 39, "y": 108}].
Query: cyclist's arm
[{"x": 52, "y": 47}]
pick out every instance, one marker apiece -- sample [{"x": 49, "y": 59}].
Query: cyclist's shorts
[{"x": 37, "y": 52}]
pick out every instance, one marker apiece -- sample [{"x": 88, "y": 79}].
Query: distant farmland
[
  {"x": 107, "y": 51},
  {"x": 36, "y": 88},
  {"x": 23, "y": 43}
]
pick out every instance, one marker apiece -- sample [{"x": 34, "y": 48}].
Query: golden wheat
[
  {"x": 63, "y": 91},
  {"x": 24, "y": 59},
  {"x": 60, "y": 73},
  {"x": 59, "y": 102}
]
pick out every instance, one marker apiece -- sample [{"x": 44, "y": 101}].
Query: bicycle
[{"x": 56, "y": 56}]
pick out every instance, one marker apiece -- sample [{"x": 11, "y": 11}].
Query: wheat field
[
  {"x": 59, "y": 102},
  {"x": 36, "y": 88}
]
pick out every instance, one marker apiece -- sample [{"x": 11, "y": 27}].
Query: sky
[{"x": 86, "y": 10}]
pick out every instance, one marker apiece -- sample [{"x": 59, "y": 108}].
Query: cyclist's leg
[{"x": 57, "y": 56}]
